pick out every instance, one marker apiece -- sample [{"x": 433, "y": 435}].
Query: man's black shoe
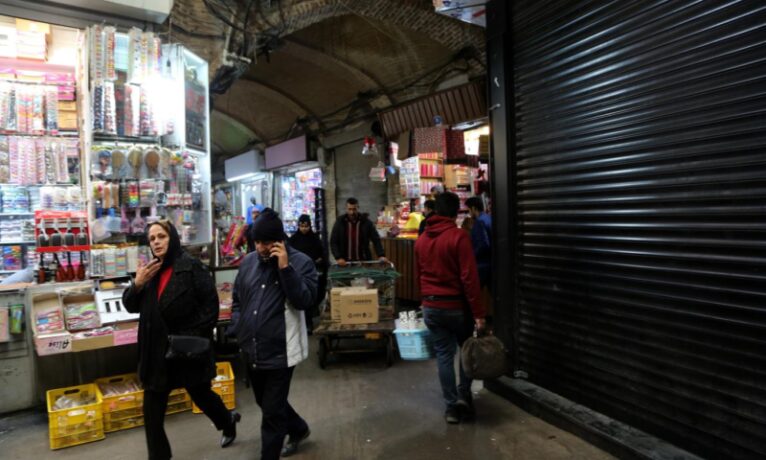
[
  {"x": 292, "y": 444},
  {"x": 466, "y": 410},
  {"x": 452, "y": 416},
  {"x": 230, "y": 433}
]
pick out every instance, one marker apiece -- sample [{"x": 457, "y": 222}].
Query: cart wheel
[
  {"x": 390, "y": 352},
  {"x": 322, "y": 353}
]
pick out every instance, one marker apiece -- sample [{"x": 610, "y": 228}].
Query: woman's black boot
[{"x": 230, "y": 433}]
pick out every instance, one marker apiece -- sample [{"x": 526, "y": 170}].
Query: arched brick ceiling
[{"x": 328, "y": 53}]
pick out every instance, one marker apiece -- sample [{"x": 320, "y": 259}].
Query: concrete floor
[{"x": 357, "y": 409}]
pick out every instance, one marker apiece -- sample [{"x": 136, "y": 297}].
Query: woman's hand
[{"x": 146, "y": 272}]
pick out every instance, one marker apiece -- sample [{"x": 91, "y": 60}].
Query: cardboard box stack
[{"x": 354, "y": 305}]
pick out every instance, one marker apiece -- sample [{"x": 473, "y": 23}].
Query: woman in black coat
[
  {"x": 175, "y": 295},
  {"x": 308, "y": 242}
]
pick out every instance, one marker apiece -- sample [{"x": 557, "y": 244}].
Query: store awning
[{"x": 455, "y": 105}]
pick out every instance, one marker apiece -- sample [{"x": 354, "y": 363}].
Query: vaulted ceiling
[{"x": 328, "y": 64}]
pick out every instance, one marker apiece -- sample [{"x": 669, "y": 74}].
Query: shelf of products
[
  {"x": 298, "y": 197},
  {"x": 39, "y": 145},
  {"x": 141, "y": 166}
]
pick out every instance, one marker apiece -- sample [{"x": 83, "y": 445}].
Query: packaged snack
[{"x": 81, "y": 316}]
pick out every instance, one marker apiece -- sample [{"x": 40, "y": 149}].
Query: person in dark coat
[
  {"x": 428, "y": 210},
  {"x": 308, "y": 242},
  {"x": 175, "y": 295},
  {"x": 352, "y": 234},
  {"x": 275, "y": 286}
]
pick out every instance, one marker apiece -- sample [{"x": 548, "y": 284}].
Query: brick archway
[{"x": 196, "y": 27}]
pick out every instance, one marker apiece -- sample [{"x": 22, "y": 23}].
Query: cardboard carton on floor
[{"x": 359, "y": 306}]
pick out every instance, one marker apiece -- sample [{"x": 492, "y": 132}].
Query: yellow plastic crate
[
  {"x": 77, "y": 425},
  {"x": 182, "y": 406},
  {"x": 121, "y": 402},
  {"x": 123, "y": 424},
  {"x": 223, "y": 386},
  {"x": 178, "y": 401}
]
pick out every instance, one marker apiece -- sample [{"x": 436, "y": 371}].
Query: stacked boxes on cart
[{"x": 84, "y": 413}]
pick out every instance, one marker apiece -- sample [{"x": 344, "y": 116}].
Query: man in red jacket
[{"x": 449, "y": 285}]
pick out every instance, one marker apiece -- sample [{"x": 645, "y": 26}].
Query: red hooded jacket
[{"x": 445, "y": 267}]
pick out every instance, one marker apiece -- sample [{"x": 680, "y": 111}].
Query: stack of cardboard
[{"x": 354, "y": 305}]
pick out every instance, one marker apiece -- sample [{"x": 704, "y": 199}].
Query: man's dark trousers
[{"x": 271, "y": 388}]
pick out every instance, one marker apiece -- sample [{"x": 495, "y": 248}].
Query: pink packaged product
[
  {"x": 39, "y": 162},
  {"x": 51, "y": 110},
  {"x": 13, "y": 160},
  {"x": 38, "y": 111},
  {"x": 59, "y": 78},
  {"x": 23, "y": 103}
]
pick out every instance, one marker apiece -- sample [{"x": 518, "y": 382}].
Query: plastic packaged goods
[
  {"x": 16, "y": 318},
  {"x": 110, "y": 389},
  {"x": 82, "y": 316},
  {"x": 66, "y": 402},
  {"x": 110, "y": 72},
  {"x": 110, "y": 109},
  {"x": 49, "y": 321},
  {"x": 97, "y": 106},
  {"x": 12, "y": 258},
  {"x": 51, "y": 109}
]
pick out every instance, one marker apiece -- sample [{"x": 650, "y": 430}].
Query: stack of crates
[
  {"x": 77, "y": 425},
  {"x": 121, "y": 411},
  {"x": 125, "y": 410},
  {"x": 223, "y": 386},
  {"x": 178, "y": 401}
]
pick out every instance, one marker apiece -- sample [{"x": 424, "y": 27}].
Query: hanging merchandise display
[{"x": 141, "y": 168}]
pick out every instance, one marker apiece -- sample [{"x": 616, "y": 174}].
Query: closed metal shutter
[{"x": 640, "y": 166}]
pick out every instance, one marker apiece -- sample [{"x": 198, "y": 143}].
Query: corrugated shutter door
[{"x": 641, "y": 170}]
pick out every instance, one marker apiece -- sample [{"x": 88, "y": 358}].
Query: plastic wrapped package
[
  {"x": 39, "y": 162},
  {"x": 110, "y": 72},
  {"x": 51, "y": 109},
  {"x": 82, "y": 316},
  {"x": 97, "y": 52},
  {"x": 97, "y": 106}
]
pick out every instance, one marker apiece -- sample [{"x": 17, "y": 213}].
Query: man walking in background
[
  {"x": 451, "y": 298},
  {"x": 351, "y": 236},
  {"x": 429, "y": 207},
  {"x": 481, "y": 239}
]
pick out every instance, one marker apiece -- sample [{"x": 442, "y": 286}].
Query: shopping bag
[{"x": 484, "y": 357}]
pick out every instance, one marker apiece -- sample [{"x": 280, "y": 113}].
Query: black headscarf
[
  {"x": 304, "y": 219},
  {"x": 174, "y": 244}
]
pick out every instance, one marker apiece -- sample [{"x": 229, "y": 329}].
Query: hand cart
[{"x": 372, "y": 274}]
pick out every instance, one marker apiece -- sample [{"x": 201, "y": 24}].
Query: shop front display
[
  {"x": 442, "y": 159},
  {"x": 39, "y": 145},
  {"x": 299, "y": 197},
  {"x": 102, "y": 131},
  {"x": 142, "y": 165}
]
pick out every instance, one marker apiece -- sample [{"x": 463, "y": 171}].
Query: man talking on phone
[{"x": 275, "y": 285}]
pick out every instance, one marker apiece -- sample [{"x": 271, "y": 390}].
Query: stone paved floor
[{"x": 357, "y": 409}]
